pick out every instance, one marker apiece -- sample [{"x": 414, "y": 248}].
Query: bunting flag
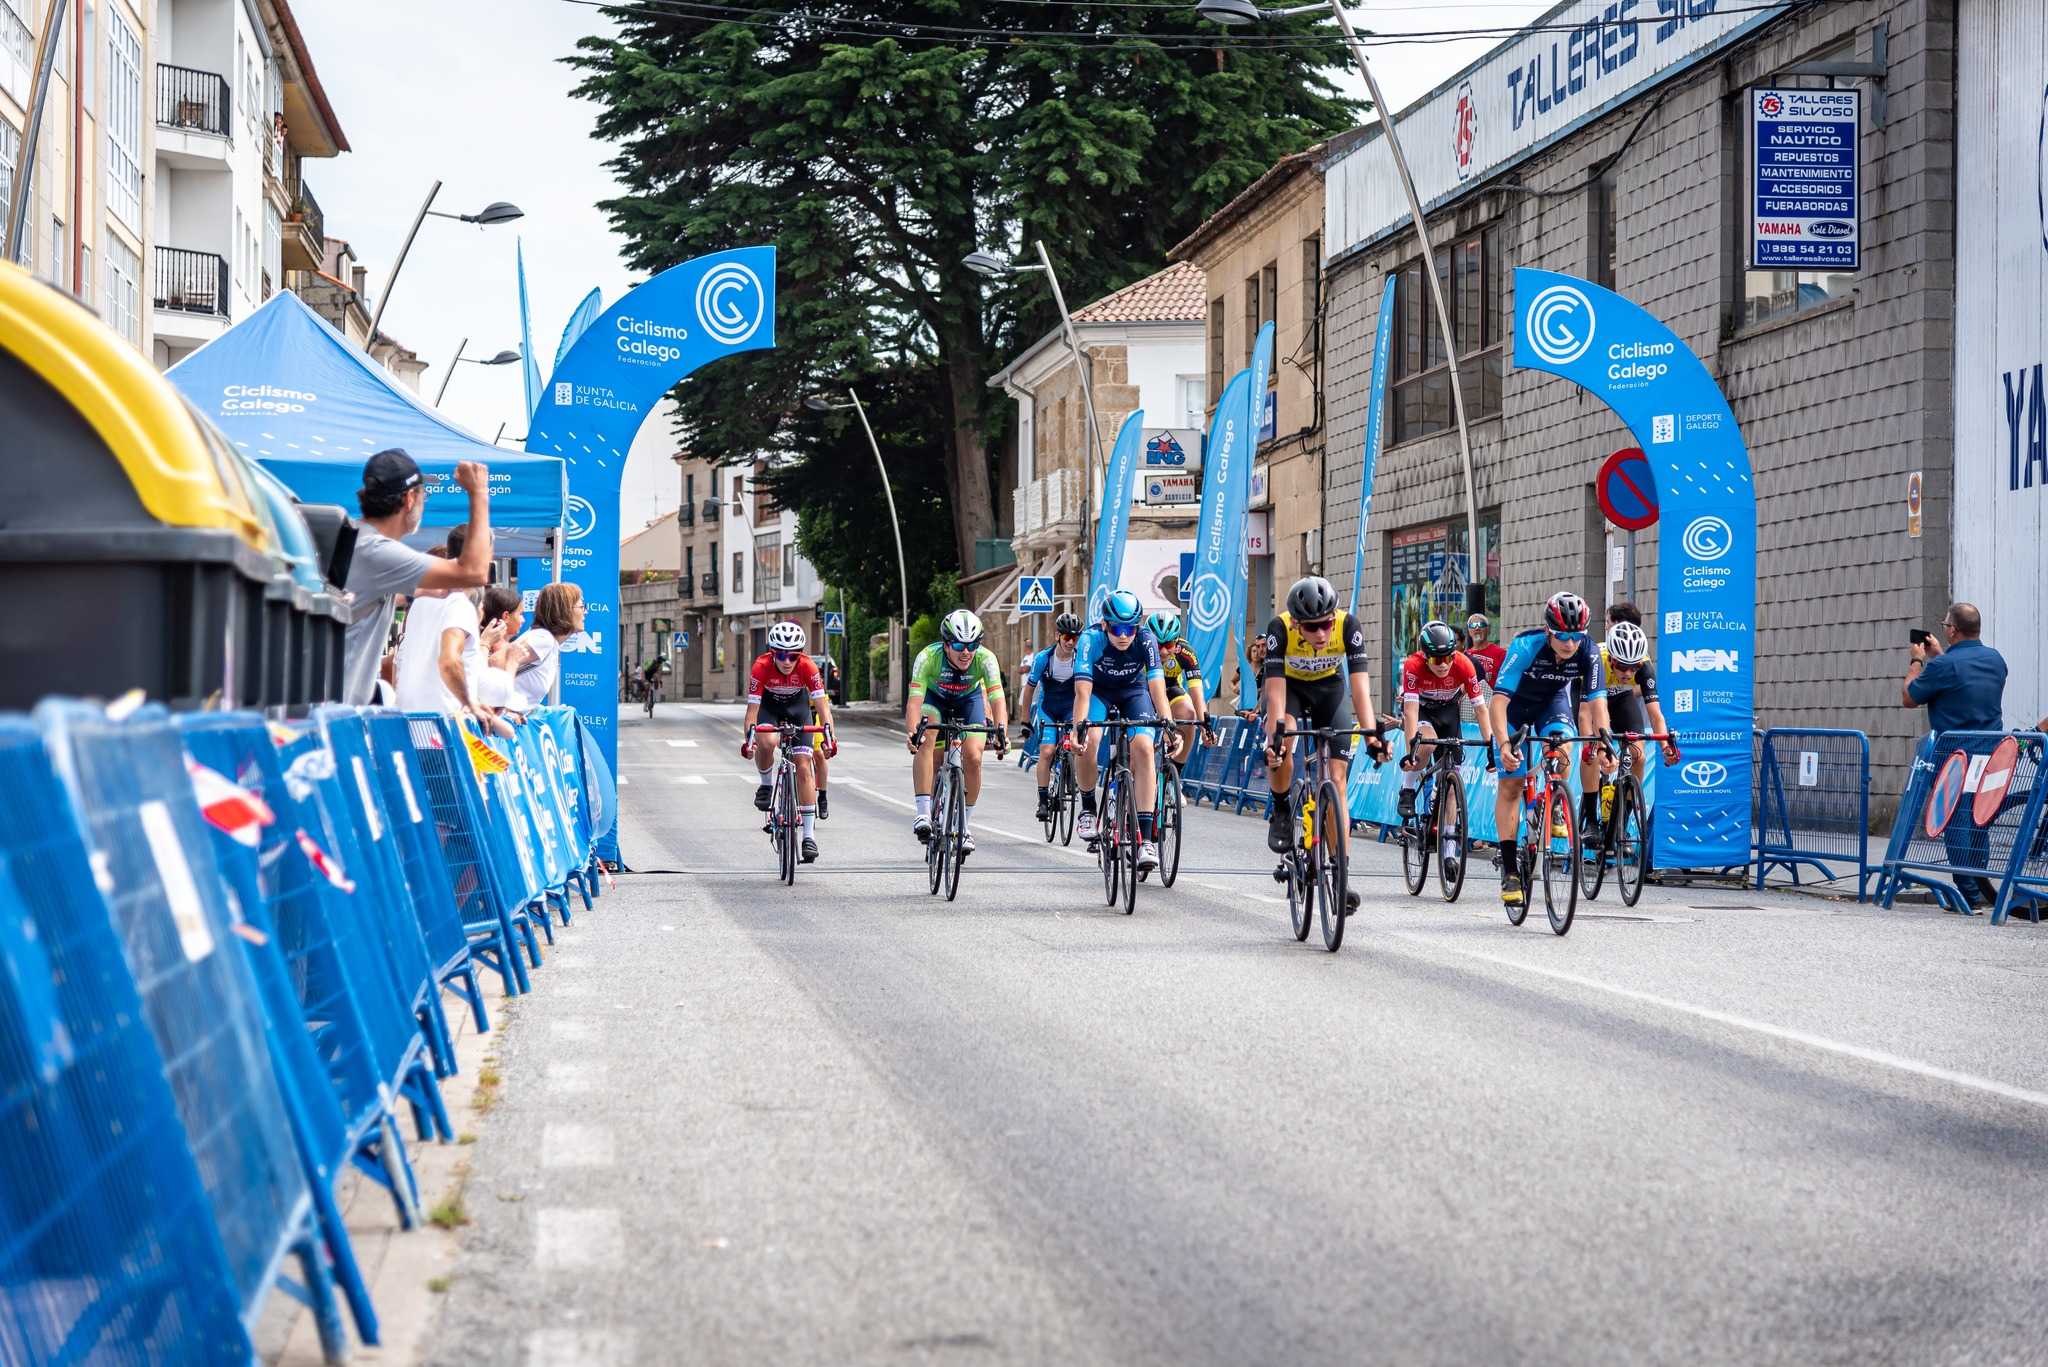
[
  {"x": 486, "y": 760},
  {"x": 229, "y": 806},
  {"x": 529, "y": 367},
  {"x": 1375, "y": 418},
  {"x": 1219, "y": 536},
  {"x": 1118, "y": 481},
  {"x": 329, "y": 867},
  {"x": 1240, "y": 587}
]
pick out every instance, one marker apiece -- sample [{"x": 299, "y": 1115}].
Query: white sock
[
  {"x": 810, "y": 816},
  {"x": 764, "y": 778},
  {"x": 967, "y": 818},
  {"x": 924, "y": 804},
  {"x": 1411, "y": 780}
]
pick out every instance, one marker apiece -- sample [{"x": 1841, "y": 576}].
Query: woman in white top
[{"x": 535, "y": 657}]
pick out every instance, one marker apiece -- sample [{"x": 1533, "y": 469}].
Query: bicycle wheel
[
  {"x": 956, "y": 823},
  {"x": 1450, "y": 836},
  {"x": 935, "y": 845},
  {"x": 1105, "y": 842},
  {"x": 1068, "y": 797},
  {"x": 786, "y": 827},
  {"x": 1167, "y": 823},
  {"x": 1330, "y": 869},
  {"x": 1415, "y": 836},
  {"x": 1560, "y": 865},
  {"x": 1127, "y": 839},
  {"x": 1631, "y": 841},
  {"x": 1593, "y": 855},
  {"x": 1052, "y": 809}
]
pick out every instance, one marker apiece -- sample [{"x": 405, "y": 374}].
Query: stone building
[{"x": 1622, "y": 157}]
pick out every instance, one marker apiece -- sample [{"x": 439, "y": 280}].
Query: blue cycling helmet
[
  {"x": 1165, "y": 626},
  {"x": 1122, "y": 609}
]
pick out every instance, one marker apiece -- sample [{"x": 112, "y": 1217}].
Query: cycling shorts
[
  {"x": 960, "y": 709},
  {"x": 1131, "y": 703},
  {"x": 1625, "y": 712},
  {"x": 793, "y": 711},
  {"x": 1176, "y": 688},
  {"x": 1553, "y": 722},
  {"x": 1442, "y": 717},
  {"x": 1045, "y": 731},
  {"x": 1322, "y": 703}
]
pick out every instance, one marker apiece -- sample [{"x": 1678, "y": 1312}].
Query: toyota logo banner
[
  {"x": 590, "y": 409},
  {"x": 1706, "y": 543}
]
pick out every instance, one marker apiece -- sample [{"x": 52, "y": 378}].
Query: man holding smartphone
[{"x": 1963, "y": 689}]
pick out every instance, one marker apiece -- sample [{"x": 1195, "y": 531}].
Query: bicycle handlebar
[{"x": 788, "y": 728}]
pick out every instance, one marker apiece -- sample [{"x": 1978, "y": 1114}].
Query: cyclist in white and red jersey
[
  {"x": 785, "y": 686},
  {"x": 1431, "y": 680}
]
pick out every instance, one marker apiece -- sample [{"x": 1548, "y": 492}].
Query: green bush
[{"x": 923, "y": 632}]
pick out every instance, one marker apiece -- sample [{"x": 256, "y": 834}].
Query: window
[
  {"x": 1216, "y": 345},
  {"x": 1601, "y": 236},
  {"x": 1420, "y": 390},
  {"x": 124, "y": 290},
  {"x": 84, "y": 274},
  {"x": 739, "y": 562},
  {"x": 59, "y": 272},
  {"x": 124, "y": 121},
  {"x": 85, "y": 82},
  {"x": 10, "y": 153},
  {"x": 1252, "y": 316},
  {"x": 17, "y": 49},
  {"x": 690, "y": 490},
  {"x": 1311, "y": 284},
  {"x": 1194, "y": 400},
  {"x": 690, "y": 567},
  {"x": 1269, "y": 291},
  {"x": 767, "y": 567},
  {"x": 789, "y": 569}
]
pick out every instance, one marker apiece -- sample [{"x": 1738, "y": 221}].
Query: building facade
[
  {"x": 1621, "y": 155},
  {"x": 762, "y": 577}
]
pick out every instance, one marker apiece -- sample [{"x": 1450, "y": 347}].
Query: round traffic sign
[
  {"x": 1627, "y": 489},
  {"x": 1947, "y": 794},
  {"x": 1997, "y": 778}
]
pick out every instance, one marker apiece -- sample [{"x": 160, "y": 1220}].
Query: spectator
[
  {"x": 1484, "y": 653},
  {"x": 393, "y": 499},
  {"x": 502, "y": 616},
  {"x": 534, "y": 658},
  {"x": 1963, "y": 689}
]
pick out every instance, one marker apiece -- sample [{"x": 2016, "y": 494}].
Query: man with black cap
[{"x": 393, "y": 499}]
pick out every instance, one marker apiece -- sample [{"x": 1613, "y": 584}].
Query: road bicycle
[
  {"x": 1167, "y": 805},
  {"x": 1439, "y": 822},
  {"x": 1061, "y": 789},
  {"x": 1549, "y": 830},
  {"x": 1314, "y": 868},
  {"x": 1116, "y": 842},
  {"x": 785, "y": 824},
  {"x": 1622, "y": 837},
  {"x": 942, "y": 855}
]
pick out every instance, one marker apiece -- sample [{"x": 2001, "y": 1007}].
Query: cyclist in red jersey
[
  {"x": 1431, "y": 680},
  {"x": 785, "y": 686}
]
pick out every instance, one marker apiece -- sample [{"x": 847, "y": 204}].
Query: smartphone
[{"x": 1920, "y": 636}]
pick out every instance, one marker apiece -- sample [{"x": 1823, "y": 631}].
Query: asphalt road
[{"x": 852, "y": 1123}]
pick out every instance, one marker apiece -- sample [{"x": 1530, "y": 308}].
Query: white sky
[{"x": 471, "y": 92}]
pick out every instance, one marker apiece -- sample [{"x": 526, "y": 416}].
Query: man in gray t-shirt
[{"x": 393, "y": 499}]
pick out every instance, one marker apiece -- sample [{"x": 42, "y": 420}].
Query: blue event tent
[{"x": 300, "y": 400}]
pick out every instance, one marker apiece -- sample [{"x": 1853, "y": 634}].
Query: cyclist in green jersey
[{"x": 955, "y": 679}]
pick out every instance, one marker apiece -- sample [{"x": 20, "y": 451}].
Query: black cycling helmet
[
  {"x": 1566, "y": 612},
  {"x": 1311, "y": 599},
  {"x": 1066, "y": 624},
  {"x": 1439, "y": 642}
]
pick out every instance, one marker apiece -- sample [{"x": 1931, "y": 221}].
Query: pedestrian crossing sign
[
  {"x": 1034, "y": 593},
  {"x": 835, "y": 624}
]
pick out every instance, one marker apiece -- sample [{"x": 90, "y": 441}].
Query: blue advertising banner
[
  {"x": 1375, "y": 420},
  {"x": 1219, "y": 537},
  {"x": 615, "y": 373},
  {"x": 1706, "y": 547},
  {"x": 1803, "y": 189},
  {"x": 1258, "y": 400},
  {"x": 1118, "y": 480}
]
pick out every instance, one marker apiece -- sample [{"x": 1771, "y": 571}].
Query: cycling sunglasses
[
  {"x": 1323, "y": 625},
  {"x": 1070, "y": 635},
  {"x": 1116, "y": 629},
  {"x": 1567, "y": 635},
  {"x": 785, "y": 656}
]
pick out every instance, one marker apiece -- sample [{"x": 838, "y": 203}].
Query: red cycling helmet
[{"x": 1566, "y": 612}]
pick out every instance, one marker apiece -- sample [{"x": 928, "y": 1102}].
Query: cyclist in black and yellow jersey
[
  {"x": 1185, "y": 692},
  {"x": 1310, "y": 650}
]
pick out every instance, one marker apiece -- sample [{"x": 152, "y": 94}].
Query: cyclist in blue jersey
[
  {"x": 1117, "y": 674},
  {"x": 1550, "y": 680},
  {"x": 1050, "y": 683}
]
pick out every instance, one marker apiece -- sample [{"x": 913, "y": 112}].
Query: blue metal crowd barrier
[
  {"x": 108, "y": 1248},
  {"x": 155, "y": 865},
  {"x": 1972, "y": 811},
  {"x": 1812, "y": 804},
  {"x": 557, "y": 732},
  {"x": 479, "y": 872}
]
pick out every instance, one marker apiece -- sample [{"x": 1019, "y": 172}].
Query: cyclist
[
  {"x": 1632, "y": 681},
  {"x": 1118, "y": 674},
  {"x": 1484, "y": 653},
  {"x": 1431, "y": 680},
  {"x": 1309, "y": 649},
  {"x": 1551, "y": 681},
  {"x": 1186, "y": 694},
  {"x": 1049, "y": 682},
  {"x": 956, "y": 679},
  {"x": 785, "y": 687}
]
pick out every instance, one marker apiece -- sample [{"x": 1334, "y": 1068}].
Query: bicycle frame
[
  {"x": 783, "y": 819},
  {"x": 942, "y": 849},
  {"x": 1315, "y": 867}
]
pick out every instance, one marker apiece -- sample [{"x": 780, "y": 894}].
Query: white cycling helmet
[
  {"x": 1626, "y": 644},
  {"x": 786, "y": 636},
  {"x": 961, "y": 628}
]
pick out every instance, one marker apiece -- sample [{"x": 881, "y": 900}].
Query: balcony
[
  {"x": 191, "y": 296},
  {"x": 305, "y": 228},
  {"x": 1048, "y": 510},
  {"x": 710, "y": 509},
  {"x": 686, "y": 587},
  {"x": 708, "y": 581},
  {"x": 686, "y": 516},
  {"x": 194, "y": 118}
]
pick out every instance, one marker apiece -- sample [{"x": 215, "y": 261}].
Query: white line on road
[
  {"x": 1897, "y": 1062},
  {"x": 580, "y": 1348},
  {"x": 979, "y": 826},
  {"x": 689, "y": 778},
  {"x": 569, "y": 1239},
  {"x": 575, "y": 1079},
  {"x": 567, "y": 1145},
  {"x": 681, "y": 744}
]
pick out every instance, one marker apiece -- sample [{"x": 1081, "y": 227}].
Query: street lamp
[
  {"x": 1236, "y": 13},
  {"x": 502, "y": 358},
  {"x": 995, "y": 268},
  {"x": 819, "y": 404},
  {"x": 497, "y": 211}
]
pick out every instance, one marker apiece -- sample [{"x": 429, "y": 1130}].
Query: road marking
[
  {"x": 580, "y": 1348},
  {"x": 623, "y": 781},
  {"x": 1896, "y": 1062},
  {"x": 689, "y": 778},
  {"x": 575, "y": 1079},
  {"x": 565, "y": 1145},
  {"x": 681, "y": 744},
  {"x": 571, "y": 1240},
  {"x": 980, "y": 827}
]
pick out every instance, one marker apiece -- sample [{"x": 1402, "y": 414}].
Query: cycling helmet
[
  {"x": 1311, "y": 599},
  {"x": 1439, "y": 642},
  {"x": 1566, "y": 612},
  {"x": 961, "y": 628},
  {"x": 1067, "y": 624},
  {"x": 1626, "y": 644},
  {"x": 786, "y": 636},
  {"x": 1122, "y": 609},
  {"x": 1165, "y": 626}
]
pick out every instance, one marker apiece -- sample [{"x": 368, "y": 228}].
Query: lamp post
[
  {"x": 1235, "y": 13},
  {"x": 502, "y": 358},
  {"x": 818, "y": 404},
  {"x": 995, "y": 268},
  {"x": 498, "y": 211}
]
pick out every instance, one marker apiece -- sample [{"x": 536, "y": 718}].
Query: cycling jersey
[
  {"x": 1054, "y": 680},
  {"x": 1640, "y": 678},
  {"x": 1424, "y": 685},
  {"x": 1177, "y": 661},
  {"x": 1108, "y": 668},
  {"x": 934, "y": 675},
  {"x": 769, "y": 681},
  {"x": 1532, "y": 674},
  {"x": 1289, "y": 655}
]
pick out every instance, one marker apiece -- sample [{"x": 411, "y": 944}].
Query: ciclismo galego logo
[
  {"x": 730, "y": 303},
  {"x": 1208, "y": 601},
  {"x": 1559, "y": 324},
  {"x": 579, "y": 518}
]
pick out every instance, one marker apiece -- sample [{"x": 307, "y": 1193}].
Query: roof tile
[{"x": 1174, "y": 295}]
